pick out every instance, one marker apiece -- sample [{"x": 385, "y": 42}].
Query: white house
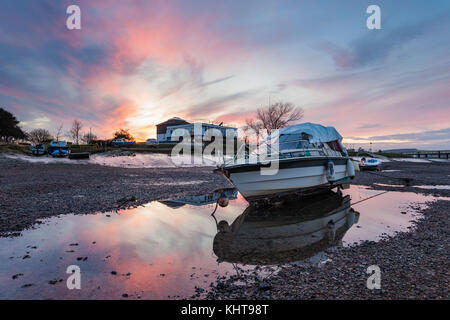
[{"x": 165, "y": 129}]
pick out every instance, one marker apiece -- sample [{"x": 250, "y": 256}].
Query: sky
[{"x": 134, "y": 64}]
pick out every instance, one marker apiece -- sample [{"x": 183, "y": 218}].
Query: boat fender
[
  {"x": 223, "y": 200},
  {"x": 330, "y": 171},
  {"x": 356, "y": 166},
  {"x": 350, "y": 168},
  {"x": 350, "y": 219},
  {"x": 331, "y": 231}
]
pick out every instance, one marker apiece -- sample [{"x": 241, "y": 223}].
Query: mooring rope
[
  {"x": 378, "y": 194},
  {"x": 382, "y": 175}
]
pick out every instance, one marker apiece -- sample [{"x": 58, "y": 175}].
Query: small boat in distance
[
  {"x": 38, "y": 150},
  {"x": 58, "y": 149},
  {"x": 121, "y": 142},
  {"x": 309, "y": 157},
  {"x": 369, "y": 164}
]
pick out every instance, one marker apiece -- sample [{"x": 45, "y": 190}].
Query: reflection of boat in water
[
  {"x": 200, "y": 200},
  {"x": 285, "y": 233},
  {"x": 306, "y": 157}
]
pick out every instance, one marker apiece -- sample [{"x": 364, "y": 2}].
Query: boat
[
  {"x": 310, "y": 158},
  {"x": 121, "y": 142},
  {"x": 58, "y": 149},
  {"x": 38, "y": 150},
  {"x": 369, "y": 164},
  {"x": 286, "y": 233}
]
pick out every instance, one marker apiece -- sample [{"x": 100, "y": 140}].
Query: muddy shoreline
[
  {"x": 33, "y": 191},
  {"x": 414, "y": 264}
]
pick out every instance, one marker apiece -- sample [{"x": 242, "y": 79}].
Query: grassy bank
[{"x": 13, "y": 148}]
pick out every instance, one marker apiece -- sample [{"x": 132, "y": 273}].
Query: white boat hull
[{"x": 254, "y": 184}]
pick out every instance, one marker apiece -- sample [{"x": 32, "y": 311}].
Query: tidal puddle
[{"x": 166, "y": 248}]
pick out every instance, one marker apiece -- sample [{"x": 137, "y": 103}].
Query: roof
[
  {"x": 174, "y": 120},
  {"x": 202, "y": 124},
  {"x": 317, "y": 132}
]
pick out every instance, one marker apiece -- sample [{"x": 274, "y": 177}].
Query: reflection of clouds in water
[{"x": 145, "y": 241}]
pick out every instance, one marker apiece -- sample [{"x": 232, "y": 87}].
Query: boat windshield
[
  {"x": 288, "y": 146},
  {"x": 290, "y": 142}
]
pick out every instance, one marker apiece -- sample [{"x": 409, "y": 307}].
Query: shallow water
[
  {"x": 139, "y": 160},
  {"x": 167, "y": 248}
]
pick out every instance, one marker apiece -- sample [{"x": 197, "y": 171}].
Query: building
[
  {"x": 165, "y": 129},
  {"x": 161, "y": 129}
]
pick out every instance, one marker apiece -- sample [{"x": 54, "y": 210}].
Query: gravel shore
[
  {"x": 408, "y": 177},
  {"x": 32, "y": 191},
  {"x": 414, "y": 264}
]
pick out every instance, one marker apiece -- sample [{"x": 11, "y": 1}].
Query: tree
[
  {"x": 75, "y": 131},
  {"x": 123, "y": 134},
  {"x": 9, "y": 127},
  {"x": 277, "y": 116},
  {"x": 58, "y": 133},
  {"x": 38, "y": 136},
  {"x": 253, "y": 127},
  {"x": 88, "y": 137}
]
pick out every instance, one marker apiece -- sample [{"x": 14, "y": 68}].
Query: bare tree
[
  {"x": 88, "y": 137},
  {"x": 278, "y": 115},
  {"x": 75, "y": 131},
  {"x": 253, "y": 127},
  {"x": 39, "y": 136},
  {"x": 58, "y": 133}
]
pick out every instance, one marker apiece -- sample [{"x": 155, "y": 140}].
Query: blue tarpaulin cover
[{"x": 316, "y": 132}]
